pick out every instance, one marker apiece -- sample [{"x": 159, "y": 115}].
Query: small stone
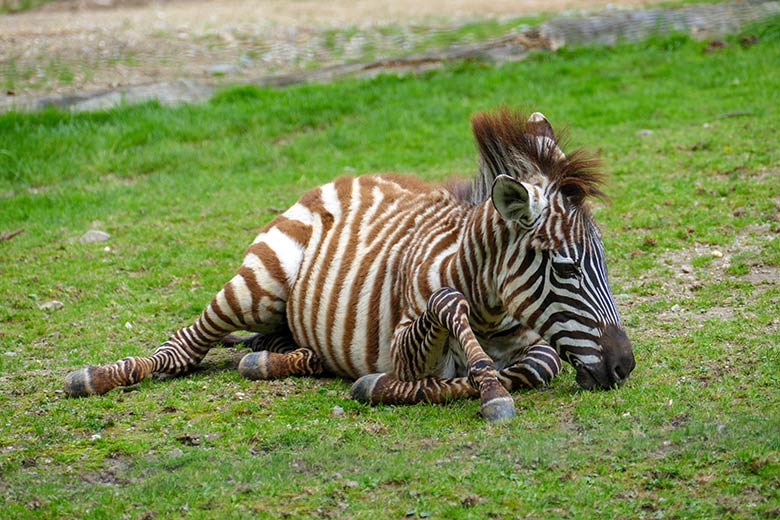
[
  {"x": 686, "y": 269},
  {"x": 51, "y": 306},
  {"x": 337, "y": 411},
  {"x": 351, "y": 484},
  {"x": 469, "y": 501},
  {"x": 128, "y": 325},
  {"x": 94, "y": 235},
  {"x": 95, "y": 437},
  {"x": 676, "y": 308},
  {"x": 645, "y": 132},
  {"x": 716, "y": 253}
]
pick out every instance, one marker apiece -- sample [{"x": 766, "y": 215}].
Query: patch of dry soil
[{"x": 72, "y": 46}]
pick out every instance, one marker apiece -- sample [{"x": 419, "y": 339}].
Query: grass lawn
[{"x": 690, "y": 140}]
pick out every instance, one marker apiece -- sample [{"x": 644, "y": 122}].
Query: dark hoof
[
  {"x": 83, "y": 382},
  {"x": 498, "y": 409},
  {"x": 254, "y": 365},
  {"x": 362, "y": 390}
]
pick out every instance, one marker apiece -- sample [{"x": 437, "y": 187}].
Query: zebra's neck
[{"x": 474, "y": 267}]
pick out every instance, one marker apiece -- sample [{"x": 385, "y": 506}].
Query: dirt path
[{"x": 80, "y": 45}]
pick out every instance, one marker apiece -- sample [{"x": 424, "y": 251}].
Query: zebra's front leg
[
  {"x": 417, "y": 351},
  {"x": 452, "y": 310},
  {"x": 386, "y": 389},
  {"x": 538, "y": 365}
]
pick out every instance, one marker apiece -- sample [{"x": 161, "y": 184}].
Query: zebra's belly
[
  {"x": 346, "y": 319},
  {"x": 345, "y": 304},
  {"x": 350, "y": 292}
]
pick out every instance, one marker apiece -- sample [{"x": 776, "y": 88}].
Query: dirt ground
[{"x": 72, "y": 46}]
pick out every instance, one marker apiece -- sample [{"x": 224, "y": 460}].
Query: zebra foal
[{"x": 421, "y": 292}]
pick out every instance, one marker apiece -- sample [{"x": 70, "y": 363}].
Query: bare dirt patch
[
  {"x": 76, "y": 45},
  {"x": 683, "y": 272}
]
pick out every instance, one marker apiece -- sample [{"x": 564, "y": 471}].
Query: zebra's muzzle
[{"x": 616, "y": 362}]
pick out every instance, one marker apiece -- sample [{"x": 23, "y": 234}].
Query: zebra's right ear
[{"x": 515, "y": 201}]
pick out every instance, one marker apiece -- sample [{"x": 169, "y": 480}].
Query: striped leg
[
  {"x": 252, "y": 300},
  {"x": 281, "y": 342},
  {"x": 538, "y": 366},
  {"x": 386, "y": 389},
  {"x": 418, "y": 348},
  {"x": 274, "y": 356}
]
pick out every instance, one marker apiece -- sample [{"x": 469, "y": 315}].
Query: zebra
[{"x": 421, "y": 292}]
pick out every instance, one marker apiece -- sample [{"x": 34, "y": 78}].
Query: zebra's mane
[{"x": 510, "y": 144}]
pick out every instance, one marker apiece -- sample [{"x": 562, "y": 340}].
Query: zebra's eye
[{"x": 567, "y": 269}]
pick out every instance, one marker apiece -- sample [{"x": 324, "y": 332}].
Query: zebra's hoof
[
  {"x": 86, "y": 381},
  {"x": 254, "y": 365},
  {"x": 363, "y": 389},
  {"x": 498, "y": 409}
]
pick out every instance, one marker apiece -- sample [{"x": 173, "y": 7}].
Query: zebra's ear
[
  {"x": 515, "y": 201},
  {"x": 539, "y": 125}
]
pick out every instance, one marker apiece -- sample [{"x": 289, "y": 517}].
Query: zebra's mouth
[
  {"x": 585, "y": 378},
  {"x": 611, "y": 364},
  {"x": 589, "y": 377}
]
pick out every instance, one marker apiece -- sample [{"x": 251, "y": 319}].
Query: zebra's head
[{"x": 552, "y": 274}]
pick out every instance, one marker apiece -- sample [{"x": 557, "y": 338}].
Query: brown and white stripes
[{"x": 421, "y": 292}]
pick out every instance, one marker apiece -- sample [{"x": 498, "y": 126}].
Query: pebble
[
  {"x": 717, "y": 254},
  {"x": 676, "y": 308},
  {"x": 645, "y": 132},
  {"x": 51, "y": 306},
  {"x": 337, "y": 411},
  {"x": 94, "y": 235}
]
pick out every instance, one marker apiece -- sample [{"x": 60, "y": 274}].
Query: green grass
[
  {"x": 17, "y": 6},
  {"x": 695, "y": 433}
]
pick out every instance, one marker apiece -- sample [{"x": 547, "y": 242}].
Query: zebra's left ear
[{"x": 515, "y": 201}]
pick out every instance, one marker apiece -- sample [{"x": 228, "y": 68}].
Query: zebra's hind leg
[
  {"x": 538, "y": 366},
  {"x": 235, "y": 307},
  {"x": 386, "y": 389},
  {"x": 275, "y": 356}
]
